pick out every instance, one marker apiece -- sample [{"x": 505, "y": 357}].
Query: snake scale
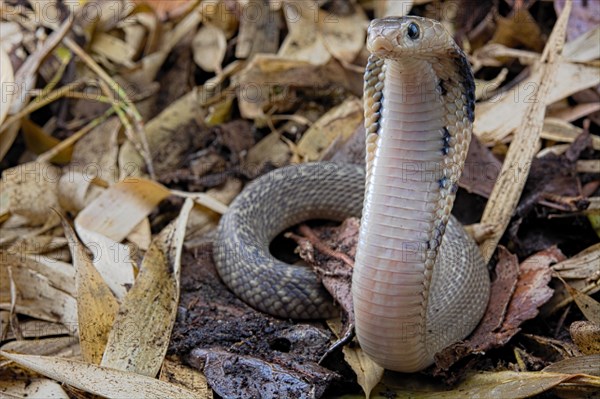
[{"x": 419, "y": 282}]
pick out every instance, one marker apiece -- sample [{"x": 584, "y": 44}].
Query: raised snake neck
[{"x": 419, "y": 283}]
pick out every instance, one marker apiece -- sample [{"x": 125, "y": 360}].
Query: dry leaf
[
  {"x": 512, "y": 301},
  {"x": 32, "y": 388},
  {"x": 96, "y": 153},
  {"x": 53, "y": 346},
  {"x": 30, "y": 190},
  {"x": 38, "y": 142},
  {"x": 501, "y": 384},
  {"x": 141, "y": 332},
  {"x": 337, "y": 124},
  {"x": 491, "y": 126},
  {"x": 588, "y": 306},
  {"x": 368, "y": 373},
  {"x": 7, "y": 78},
  {"x": 96, "y": 305},
  {"x": 586, "y": 336},
  {"x": 507, "y": 190},
  {"x": 129, "y": 202},
  {"x": 170, "y": 135},
  {"x": 99, "y": 380},
  {"x": 175, "y": 372},
  {"x": 209, "y": 46},
  {"x": 392, "y": 8}
]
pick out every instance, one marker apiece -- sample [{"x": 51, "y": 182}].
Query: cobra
[{"x": 419, "y": 282}]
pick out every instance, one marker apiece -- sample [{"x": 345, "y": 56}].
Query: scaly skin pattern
[{"x": 419, "y": 283}]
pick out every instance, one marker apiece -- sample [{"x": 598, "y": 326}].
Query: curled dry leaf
[
  {"x": 99, "y": 380},
  {"x": 77, "y": 189},
  {"x": 142, "y": 329},
  {"x": 209, "y": 46}
]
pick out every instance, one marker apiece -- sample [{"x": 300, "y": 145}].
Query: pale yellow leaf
[
  {"x": 37, "y": 297},
  {"x": 36, "y": 388},
  {"x": 303, "y": 42},
  {"x": 76, "y": 189},
  {"x": 343, "y": 35},
  {"x": 100, "y": 380},
  {"x": 368, "y": 373},
  {"x": 7, "y": 79},
  {"x": 139, "y": 339},
  {"x": 96, "y": 305},
  {"x": 209, "y": 46},
  {"x": 112, "y": 48},
  {"x": 392, "y": 8},
  {"x": 492, "y": 126},
  {"x": 175, "y": 372}
]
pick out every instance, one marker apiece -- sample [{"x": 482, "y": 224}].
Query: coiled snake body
[{"x": 419, "y": 281}]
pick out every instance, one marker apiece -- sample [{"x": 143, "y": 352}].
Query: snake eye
[{"x": 413, "y": 31}]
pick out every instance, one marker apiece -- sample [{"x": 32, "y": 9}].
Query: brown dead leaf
[
  {"x": 519, "y": 28},
  {"x": 585, "y": 17},
  {"x": 96, "y": 153},
  {"x": 512, "y": 301}
]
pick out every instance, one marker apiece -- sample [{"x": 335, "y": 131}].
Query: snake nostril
[{"x": 280, "y": 345}]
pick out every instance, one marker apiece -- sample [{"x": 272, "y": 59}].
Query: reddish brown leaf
[{"x": 526, "y": 294}]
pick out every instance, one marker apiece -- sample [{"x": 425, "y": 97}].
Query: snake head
[{"x": 398, "y": 37}]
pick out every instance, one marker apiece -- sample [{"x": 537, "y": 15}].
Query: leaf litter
[{"x": 140, "y": 122}]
